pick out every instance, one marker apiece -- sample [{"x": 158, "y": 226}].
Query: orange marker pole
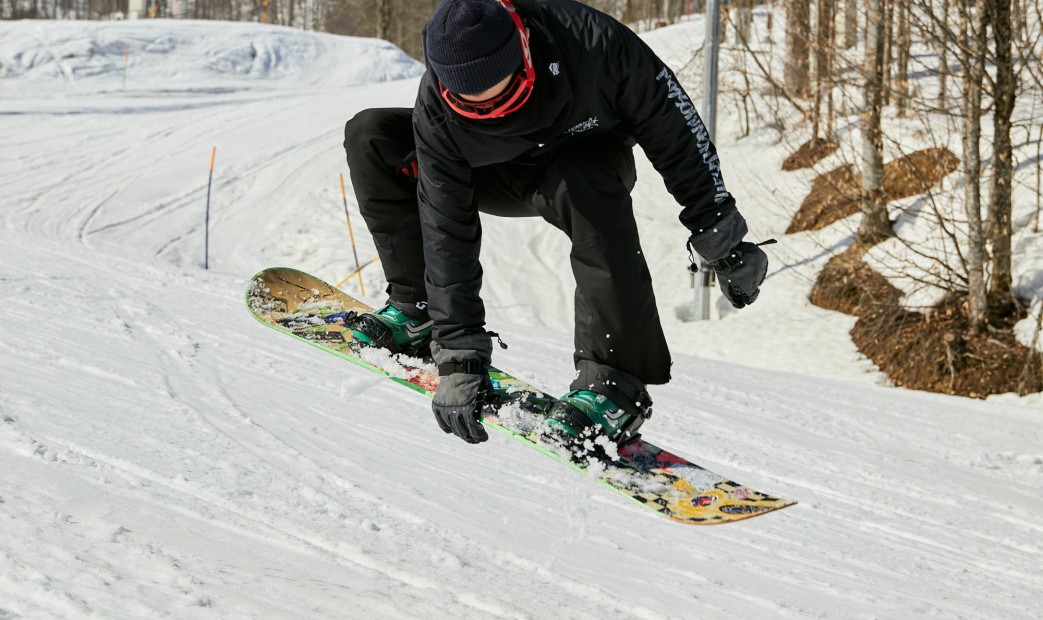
[
  {"x": 206, "y": 228},
  {"x": 347, "y": 216}
]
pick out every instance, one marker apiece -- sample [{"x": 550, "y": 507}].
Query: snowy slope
[
  {"x": 161, "y": 454},
  {"x": 64, "y": 55}
]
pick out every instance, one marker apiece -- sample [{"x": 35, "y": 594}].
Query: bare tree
[
  {"x": 850, "y": 23},
  {"x": 383, "y": 19},
  {"x": 798, "y": 35},
  {"x": 824, "y": 53},
  {"x": 743, "y": 18},
  {"x": 889, "y": 47},
  {"x": 974, "y": 24},
  {"x": 875, "y": 224},
  {"x": 903, "y": 47},
  {"x": 1005, "y": 89},
  {"x": 943, "y": 59}
]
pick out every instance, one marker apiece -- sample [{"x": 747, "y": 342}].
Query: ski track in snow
[{"x": 163, "y": 455}]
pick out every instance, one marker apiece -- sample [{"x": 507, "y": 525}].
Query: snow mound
[{"x": 184, "y": 53}]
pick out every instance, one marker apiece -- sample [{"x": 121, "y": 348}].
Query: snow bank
[{"x": 180, "y": 54}]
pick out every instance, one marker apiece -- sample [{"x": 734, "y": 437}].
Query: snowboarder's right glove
[
  {"x": 464, "y": 386},
  {"x": 740, "y": 265},
  {"x": 409, "y": 167}
]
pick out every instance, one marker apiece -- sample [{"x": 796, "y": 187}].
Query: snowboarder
[{"x": 532, "y": 108}]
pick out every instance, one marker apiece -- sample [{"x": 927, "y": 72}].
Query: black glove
[
  {"x": 740, "y": 265},
  {"x": 409, "y": 167},
  {"x": 741, "y": 273},
  {"x": 464, "y": 387}
]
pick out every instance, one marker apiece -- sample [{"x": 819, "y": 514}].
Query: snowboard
[{"x": 311, "y": 310}]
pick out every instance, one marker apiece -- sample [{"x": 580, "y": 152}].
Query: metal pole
[
  {"x": 713, "y": 44},
  {"x": 704, "y": 283}
]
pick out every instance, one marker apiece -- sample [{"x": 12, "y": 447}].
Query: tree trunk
[
  {"x": 743, "y": 19},
  {"x": 830, "y": 78},
  {"x": 823, "y": 64},
  {"x": 383, "y": 19},
  {"x": 875, "y": 225},
  {"x": 771, "y": 21},
  {"x": 1003, "y": 156},
  {"x": 974, "y": 26},
  {"x": 850, "y": 23},
  {"x": 798, "y": 33},
  {"x": 889, "y": 39},
  {"x": 630, "y": 12},
  {"x": 943, "y": 60},
  {"x": 1019, "y": 23},
  {"x": 904, "y": 45}
]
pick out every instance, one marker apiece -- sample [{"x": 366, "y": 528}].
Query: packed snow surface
[{"x": 163, "y": 455}]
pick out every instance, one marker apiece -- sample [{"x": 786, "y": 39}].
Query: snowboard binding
[{"x": 369, "y": 330}]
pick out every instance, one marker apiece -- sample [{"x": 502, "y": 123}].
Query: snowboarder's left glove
[
  {"x": 740, "y": 265},
  {"x": 464, "y": 387}
]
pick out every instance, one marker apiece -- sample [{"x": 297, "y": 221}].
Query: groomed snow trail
[{"x": 163, "y": 455}]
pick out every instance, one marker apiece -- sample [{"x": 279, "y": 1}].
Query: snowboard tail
[{"x": 309, "y": 309}]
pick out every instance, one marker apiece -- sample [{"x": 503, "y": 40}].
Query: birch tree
[
  {"x": 798, "y": 34},
  {"x": 974, "y": 22},
  {"x": 875, "y": 224},
  {"x": 850, "y": 23},
  {"x": 824, "y": 53}
]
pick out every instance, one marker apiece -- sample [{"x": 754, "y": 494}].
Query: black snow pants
[{"x": 583, "y": 190}]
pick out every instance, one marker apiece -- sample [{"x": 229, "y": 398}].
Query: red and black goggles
[{"x": 513, "y": 97}]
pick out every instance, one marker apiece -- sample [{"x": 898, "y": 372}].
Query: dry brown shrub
[
  {"x": 933, "y": 351},
  {"x": 847, "y": 284},
  {"x": 836, "y": 194},
  {"x": 937, "y": 351},
  {"x": 809, "y": 154}
]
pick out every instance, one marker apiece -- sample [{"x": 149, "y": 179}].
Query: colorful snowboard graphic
[{"x": 308, "y": 308}]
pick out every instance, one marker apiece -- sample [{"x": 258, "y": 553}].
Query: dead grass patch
[
  {"x": 836, "y": 194},
  {"x": 809, "y": 154},
  {"x": 933, "y": 351}
]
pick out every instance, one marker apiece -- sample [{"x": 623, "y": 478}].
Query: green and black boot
[
  {"x": 615, "y": 405},
  {"x": 394, "y": 329},
  {"x": 581, "y": 411}
]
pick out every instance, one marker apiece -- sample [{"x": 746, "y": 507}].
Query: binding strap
[
  {"x": 377, "y": 331},
  {"x": 735, "y": 257},
  {"x": 470, "y": 366}
]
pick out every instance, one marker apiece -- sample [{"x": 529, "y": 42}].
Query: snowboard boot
[
  {"x": 615, "y": 405},
  {"x": 394, "y": 329}
]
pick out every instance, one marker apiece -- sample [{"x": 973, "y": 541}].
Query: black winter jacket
[{"x": 594, "y": 76}]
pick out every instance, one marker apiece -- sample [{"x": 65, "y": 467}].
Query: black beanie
[{"x": 472, "y": 45}]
